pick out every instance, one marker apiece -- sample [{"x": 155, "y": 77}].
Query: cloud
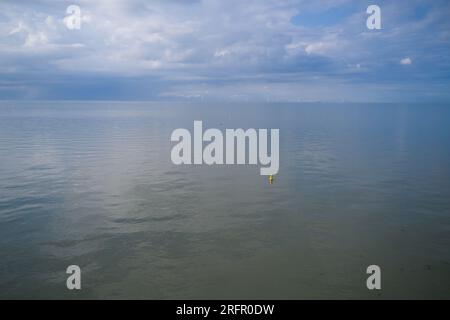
[
  {"x": 174, "y": 45},
  {"x": 326, "y": 47},
  {"x": 406, "y": 61}
]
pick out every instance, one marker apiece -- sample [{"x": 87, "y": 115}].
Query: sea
[{"x": 92, "y": 184}]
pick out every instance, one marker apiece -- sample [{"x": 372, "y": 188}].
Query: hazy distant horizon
[{"x": 201, "y": 101}]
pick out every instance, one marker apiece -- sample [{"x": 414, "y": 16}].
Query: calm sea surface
[{"x": 92, "y": 184}]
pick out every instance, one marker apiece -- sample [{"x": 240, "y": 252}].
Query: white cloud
[
  {"x": 318, "y": 48},
  {"x": 36, "y": 39},
  {"x": 406, "y": 61},
  {"x": 19, "y": 28},
  {"x": 221, "y": 53}
]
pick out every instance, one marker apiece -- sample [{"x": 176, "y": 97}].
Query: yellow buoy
[{"x": 271, "y": 179}]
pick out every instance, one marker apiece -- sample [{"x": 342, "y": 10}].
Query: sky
[{"x": 226, "y": 50}]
